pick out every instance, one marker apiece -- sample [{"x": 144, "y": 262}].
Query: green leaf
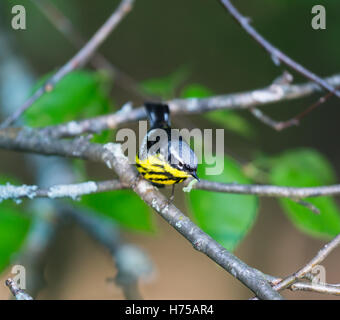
[
  {"x": 165, "y": 87},
  {"x": 78, "y": 94},
  {"x": 228, "y": 119},
  {"x": 225, "y": 217},
  {"x": 13, "y": 228},
  {"x": 196, "y": 91},
  {"x": 123, "y": 206},
  {"x": 307, "y": 168},
  {"x": 232, "y": 122}
]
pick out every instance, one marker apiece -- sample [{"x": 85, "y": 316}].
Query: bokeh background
[{"x": 156, "y": 39}]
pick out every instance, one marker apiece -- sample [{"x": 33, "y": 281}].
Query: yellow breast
[{"x": 157, "y": 170}]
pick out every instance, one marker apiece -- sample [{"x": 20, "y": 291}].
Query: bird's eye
[{"x": 180, "y": 165}]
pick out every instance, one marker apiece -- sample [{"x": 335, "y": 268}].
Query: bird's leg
[{"x": 172, "y": 197}]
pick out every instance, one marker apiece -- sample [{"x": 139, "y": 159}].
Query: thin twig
[
  {"x": 321, "y": 255},
  {"x": 78, "y": 60},
  {"x": 281, "y": 284},
  {"x": 316, "y": 287},
  {"x": 269, "y": 190},
  {"x": 66, "y": 27},
  {"x": 307, "y": 205},
  {"x": 285, "y": 78},
  {"x": 18, "y": 293},
  {"x": 276, "y": 125},
  {"x": 274, "y": 52},
  {"x": 296, "y": 120}
]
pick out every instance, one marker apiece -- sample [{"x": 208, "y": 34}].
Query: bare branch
[
  {"x": 307, "y": 205},
  {"x": 276, "y": 125},
  {"x": 321, "y": 255},
  {"x": 73, "y": 191},
  {"x": 78, "y": 60},
  {"x": 19, "y": 294},
  {"x": 295, "y": 120},
  {"x": 115, "y": 158},
  {"x": 131, "y": 261},
  {"x": 112, "y": 155},
  {"x": 274, "y": 52},
  {"x": 76, "y": 190},
  {"x": 269, "y": 190},
  {"x": 316, "y": 287},
  {"x": 243, "y": 100}
]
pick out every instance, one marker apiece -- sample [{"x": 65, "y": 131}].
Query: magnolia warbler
[{"x": 164, "y": 158}]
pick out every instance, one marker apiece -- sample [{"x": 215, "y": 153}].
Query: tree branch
[
  {"x": 269, "y": 190},
  {"x": 73, "y": 191},
  {"x": 78, "y": 60},
  {"x": 243, "y": 100},
  {"x": 76, "y": 190},
  {"x": 274, "y": 52},
  {"x": 316, "y": 287},
  {"x": 295, "y": 281},
  {"x": 321, "y": 255},
  {"x": 111, "y": 154}
]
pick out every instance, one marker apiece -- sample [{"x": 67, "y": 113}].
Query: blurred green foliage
[
  {"x": 124, "y": 206},
  {"x": 307, "y": 168},
  {"x": 79, "y": 94}
]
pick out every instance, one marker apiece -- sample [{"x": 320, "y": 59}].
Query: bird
[{"x": 164, "y": 157}]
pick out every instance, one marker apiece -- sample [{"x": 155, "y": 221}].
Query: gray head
[{"x": 181, "y": 156}]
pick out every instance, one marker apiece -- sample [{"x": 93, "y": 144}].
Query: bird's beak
[{"x": 194, "y": 174}]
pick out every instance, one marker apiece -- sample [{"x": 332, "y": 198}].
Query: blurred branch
[
  {"x": 281, "y": 125},
  {"x": 132, "y": 262},
  {"x": 276, "y": 55},
  {"x": 244, "y": 100},
  {"x": 19, "y": 294},
  {"x": 66, "y": 27},
  {"x": 277, "y": 125},
  {"x": 112, "y": 156},
  {"x": 295, "y": 120},
  {"x": 78, "y": 60},
  {"x": 34, "y": 251},
  {"x": 16, "y": 80}
]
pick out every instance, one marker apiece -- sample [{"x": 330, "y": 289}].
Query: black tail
[{"x": 158, "y": 114}]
